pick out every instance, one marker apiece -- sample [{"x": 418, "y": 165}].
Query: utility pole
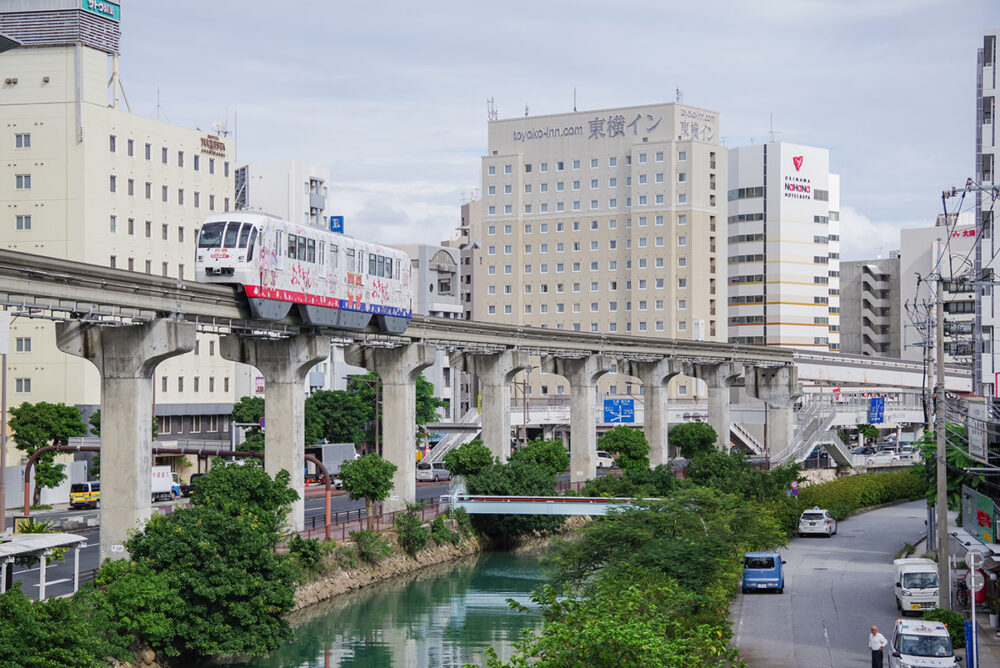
[{"x": 944, "y": 575}]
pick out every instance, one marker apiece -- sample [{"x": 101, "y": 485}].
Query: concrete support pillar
[
  {"x": 284, "y": 363},
  {"x": 582, "y": 375},
  {"x": 495, "y": 371},
  {"x": 43, "y": 560},
  {"x": 655, "y": 376},
  {"x": 126, "y": 358},
  {"x": 719, "y": 376},
  {"x": 779, "y": 388},
  {"x": 399, "y": 369}
]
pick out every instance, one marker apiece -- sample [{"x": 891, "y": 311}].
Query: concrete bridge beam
[
  {"x": 719, "y": 376},
  {"x": 399, "y": 369},
  {"x": 778, "y": 388},
  {"x": 495, "y": 372},
  {"x": 284, "y": 364},
  {"x": 655, "y": 377},
  {"x": 126, "y": 358},
  {"x": 582, "y": 375}
]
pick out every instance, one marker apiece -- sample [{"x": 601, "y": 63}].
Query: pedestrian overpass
[{"x": 477, "y": 504}]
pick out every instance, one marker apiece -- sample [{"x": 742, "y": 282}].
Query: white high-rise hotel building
[
  {"x": 986, "y": 353},
  {"x": 784, "y": 247},
  {"x": 605, "y": 221},
  {"x": 85, "y": 180}
]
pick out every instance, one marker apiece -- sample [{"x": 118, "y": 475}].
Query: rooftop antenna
[
  {"x": 678, "y": 95},
  {"x": 220, "y": 129},
  {"x": 525, "y": 111},
  {"x": 773, "y": 131},
  {"x": 491, "y": 109},
  {"x": 574, "y": 98}
]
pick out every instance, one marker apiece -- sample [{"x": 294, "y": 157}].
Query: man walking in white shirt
[{"x": 876, "y": 641}]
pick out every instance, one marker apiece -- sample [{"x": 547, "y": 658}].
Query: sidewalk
[{"x": 989, "y": 642}]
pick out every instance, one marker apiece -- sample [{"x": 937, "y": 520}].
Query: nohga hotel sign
[
  {"x": 797, "y": 187},
  {"x": 108, "y": 10}
]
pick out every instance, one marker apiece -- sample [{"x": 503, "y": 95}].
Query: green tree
[
  {"x": 219, "y": 556},
  {"x": 731, "y": 472},
  {"x": 693, "y": 438},
  {"x": 870, "y": 432},
  {"x": 35, "y": 426},
  {"x": 469, "y": 458},
  {"x": 635, "y": 482},
  {"x": 427, "y": 403},
  {"x": 629, "y": 443},
  {"x": 956, "y": 447},
  {"x": 341, "y": 415},
  {"x": 520, "y": 476},
  {"x": 250, "y": 410},
  {"x": 548, "y": 455},
  {"x": 368, "y": 478}
]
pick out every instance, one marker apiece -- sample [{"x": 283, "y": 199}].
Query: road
[
  {"x": 59, "y": 576},
  {"x": 835, "y": 589}
]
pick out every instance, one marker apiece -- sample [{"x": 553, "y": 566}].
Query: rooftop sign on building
[{"x": 93, "y": 23}]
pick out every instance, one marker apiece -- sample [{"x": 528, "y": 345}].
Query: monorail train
[{"x": 334, "y": 280}]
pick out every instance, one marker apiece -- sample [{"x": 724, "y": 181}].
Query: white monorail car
[{"x": 335, "y": 281}]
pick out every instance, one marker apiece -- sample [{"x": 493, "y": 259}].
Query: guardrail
[{"x": 382, "y": 522}]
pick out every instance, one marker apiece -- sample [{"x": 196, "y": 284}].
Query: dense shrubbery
[
  {"x": 309, "y": 554},
  {"x": 849, "y": 493},
  {"x": 955, "y": 622},
  {"x": 410, "y": 530},
  {"x": 371, "y": 547},
  {"x": 638, "y": 483},
  {"x": 442, "y": 534}
]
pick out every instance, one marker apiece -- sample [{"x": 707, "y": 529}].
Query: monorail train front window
[
  {"x": 253, "y": 238},
  {"x": 245, "y": 235},
  {"x": 232, "y": 233},
  {"x": 211, "y": 235}
]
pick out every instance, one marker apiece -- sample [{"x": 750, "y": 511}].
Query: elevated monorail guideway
[
  {"x": 56, "y": 289},
  {"x": 477, "y": 504}
]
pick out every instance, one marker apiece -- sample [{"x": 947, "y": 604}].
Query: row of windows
[
  {"x": 594, "y": 163},
  {"x": 543, "y": 228},
  {"x": 576, "y": 266},
  {"x": 738, "y": 259},
  {"x": 748, "y": 278},
  {"x": 746, "y": 193},
  {"x": 746, "y": 320},
  {"x": 746, "y": 218},
  {"x": 131, "y": 266},
  {"x": 164, "y": 193},
  {"x": 543, "y": 288},
  {"x": 595, "y": 184},
  {"x": 543, "y": 207},
  {"x": 174, "y": 424},
  {"x": 746, "y": 299},
  {"x": 642, "y": 242},
  {"x": 195, "y": 384},
  {"x": 131, "y": 228},
  {"x": 740, "y": 238},
  {"x": 642, "y": 326},
  {"x": 164, "y": 155},
  {"x": 22, "y": 344}
]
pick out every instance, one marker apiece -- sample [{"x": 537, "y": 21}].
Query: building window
[
  {"x": 507, "y": 169},
  {"x": 22, "y": 181},
  {"x": 211, "y": 380},
  {"x": 24, "y": 222},
  {"x": 492, "y": 170},
  {"x": 225, "y": 384},
  {"x": 164, "y": 231},
  {"x": 163, "y": 193},
  {"x": 180, "y": 379},
  {"x": 164, "y": 154},
  {"x": 180, "y": 196},
  {"x": 131, "y": 187},
  {"x": 149, "y": 266},
  {"x": 112, "y": 143},
  {"x": 113, "y": 262},
  {"x": 114, "y": 224},
  {"x": 149, "y": 151},
  {"x": 149, "y": 229},
  {"x": 113, "y": 183},
  {"x": 22, "y": 140},
  {"x": 130, "y": 145},
  {"x": 131, "y": 264},
  {"x": 22, "y": 385},
  {"x": 211, "y": 202},
  {"x": 682, "y": 241},
  {"x": 180, "y": 158},
  {"x": 23, "y": 344},
  {"x": 211, "y": 165},
  {"x": 131, "y": 226}
]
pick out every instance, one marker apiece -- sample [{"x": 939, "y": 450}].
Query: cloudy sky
[{"x": 392, "y": 95}]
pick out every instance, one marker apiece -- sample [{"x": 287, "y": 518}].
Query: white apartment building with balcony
[
  {"x": 869, "y": 307},
  {"x": 986, "y": 356},
  {"x": 783, "y": 236},
  {"x": 604, "y": 221},
  {"x": 291, "y": 189},
  {"x": 88, "y": 181}
]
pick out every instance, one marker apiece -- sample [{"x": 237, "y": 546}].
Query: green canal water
[{"x": 441, "y": 617}]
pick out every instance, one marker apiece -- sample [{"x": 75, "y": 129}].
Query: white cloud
[{"x": 863, "y": 239}]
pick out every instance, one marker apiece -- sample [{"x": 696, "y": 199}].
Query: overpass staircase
[
  {"x": 454, "y": 439},
  {"x": 815, "y": 422},
  {"x": 739, "y": 437}
]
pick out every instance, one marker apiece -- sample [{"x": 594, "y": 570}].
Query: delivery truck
[
  {"x": 916, "y": 585},
  {"x": 163, "y": 487}
]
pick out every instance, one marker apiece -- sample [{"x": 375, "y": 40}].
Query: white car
[
  {"x": 432, "y": 471},
  {"x": 817, "y": 521},
  {"x": 604, "y": 460},
  {"x": 920, "y": 642}
]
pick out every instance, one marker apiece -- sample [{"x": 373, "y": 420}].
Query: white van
[
  {"x": 916, "y": 585},
  {"x": 920, "y": 643}
]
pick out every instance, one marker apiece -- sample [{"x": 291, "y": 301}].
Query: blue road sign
[
  {"x": 337, "y": 224},
  {"x": 619, "y": 410},
  {"x": 876, "y": 410}
]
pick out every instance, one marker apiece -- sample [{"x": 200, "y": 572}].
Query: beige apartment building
[
  {"x": 605, "y": 221},
  {"x": 86, "y": 180}
]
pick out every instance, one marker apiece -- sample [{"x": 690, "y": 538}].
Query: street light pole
[{"x": 944, "y": 575}]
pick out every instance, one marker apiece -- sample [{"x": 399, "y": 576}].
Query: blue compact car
[{"x": 762, "y": 571}]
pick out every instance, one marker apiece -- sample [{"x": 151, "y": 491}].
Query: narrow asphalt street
[{"x": 835, "y": 589}]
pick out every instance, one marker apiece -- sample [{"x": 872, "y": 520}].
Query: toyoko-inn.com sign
[{"x": 693, "y": 124}]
